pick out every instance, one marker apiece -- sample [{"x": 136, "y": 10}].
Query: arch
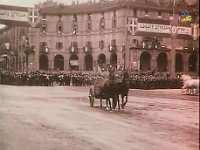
[
  {"x": 179, "y": 63},
  {"x": 43, "y": 62},
  {"x": 145, "y": 59},
  {"x": 88, "y": 62},
  {"x": 192, "y": 63},
  {"x": 113, "y": 60},
  {"x": 101, "y": 60},
  {"x": 74, "y": 62},
  {"x": 162, "y": 62},
  {"x": 59, "y": 62}
]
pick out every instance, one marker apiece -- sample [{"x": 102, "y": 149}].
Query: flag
[{"x": 7, "y": 45}]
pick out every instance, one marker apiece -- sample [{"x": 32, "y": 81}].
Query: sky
[{"x": 31, "y": 3}]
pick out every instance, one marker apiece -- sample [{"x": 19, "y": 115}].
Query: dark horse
[
  {"x": 122, "y": 89},
  {"x": 109, "y": 91}
]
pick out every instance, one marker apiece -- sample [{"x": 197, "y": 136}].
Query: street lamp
[
  {"x": 123, "y": 53},
  {"x": 7, "y": 45},
  {"x": 173, "y": 37},
  {"x": 29, "y": 50}
]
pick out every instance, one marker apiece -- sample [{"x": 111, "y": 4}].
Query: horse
[
  {"x": 124, "y": 88},
  {"x": 121, "y": 88},
  {"x": 189, "y": 84},
  {"x": 185, "y": 77},
  {"x": 106, "y": 89},
  {"x": 110, "y": 90}
]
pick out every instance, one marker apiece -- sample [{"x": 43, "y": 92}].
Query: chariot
[
  {"x": 96, "y": 91},
  {"x": 109, "y": 89}
]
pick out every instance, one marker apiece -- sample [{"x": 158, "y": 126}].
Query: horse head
[{"x": 185, "y": 77}]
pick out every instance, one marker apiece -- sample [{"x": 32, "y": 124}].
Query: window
[
  {"x": 89, "y": 23},
  {"x": 88, "y": 44},
  {"x": 114, "y": 20},
  {"x": 74, "y": 47},
  {"x": 44, "y": 26},
  {"x": 102, "y": 22},
  {"x": 89, "y": 16},
  {"x": 74, "y": 24},
  {"x": 59, "y": 45},
  {"x": 146, "y": 13},
  {"x": 74, "y": 18},
  {"x": 60, "y": 28},
  {"x": 159, "y": 14},
  {"x": 112, "y": 46},
  {"x": 135, "y": 13},
  {"x": 89, "y": 26},
  {"x": 101, "y": 44},
  {"x": 74, "y": 27},
  {"x": 59, "y": 25},
  {"x": 74, "y": 44},
  {"x": 113, "y": 42},
  {"x": 171, "y": 16},
  {"x": 43, "y": 44},
  {"x": 88, "y": 47},
  {"x": 114, "y": 23},
  {"x": 43, "y": 47}
]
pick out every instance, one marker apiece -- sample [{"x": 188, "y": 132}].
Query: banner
[
  {"x": 74, "y": 62},
  {"x": 13, "y": 15},
  {"x": 160, "y": 28},
  {"x": 134, "y": 26},
  {"x": 157, "y": 28}
]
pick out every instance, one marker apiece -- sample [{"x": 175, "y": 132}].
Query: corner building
[{"x": 86, "y": 37}]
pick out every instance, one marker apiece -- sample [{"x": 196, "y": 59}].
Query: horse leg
[
  {"x": 107, "y": 104},
  {"x": 183, "y": 91},
  {"x": 110, "y": 104},
  {"x": 126, "y": 100},
  {"x": 118, "y": 103},
  {"x": 122, "y": 96},
  {"x": 187, "y": 91},
  {"x": 100, "y": 102}
]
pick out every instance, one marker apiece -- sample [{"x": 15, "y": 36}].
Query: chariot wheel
[
  {"x": 91, "y": 97},
  {"x": 55, "y": 83}
]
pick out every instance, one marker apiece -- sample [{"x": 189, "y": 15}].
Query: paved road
[{"x": 59, "y": 118}]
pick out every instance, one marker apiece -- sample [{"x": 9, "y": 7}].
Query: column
[
  {"x": 185, "y": 63},
  {"x": 172, "y": 56}
]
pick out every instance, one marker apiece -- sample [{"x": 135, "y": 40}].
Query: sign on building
[
  {"x": 13, "y": 15},
  {"x": 135, "y": 26},
  {"x": 29, "y": 15}
]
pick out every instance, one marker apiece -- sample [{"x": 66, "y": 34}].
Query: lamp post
[
  {"x": 123, "y": 54},
  {"x": 7, "y": 45},
  {"x": 173, "y": 41},
  {"x": 29, "y": 50}
]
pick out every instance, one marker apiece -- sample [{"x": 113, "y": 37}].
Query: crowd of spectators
[{"x": 137, "y": 80}]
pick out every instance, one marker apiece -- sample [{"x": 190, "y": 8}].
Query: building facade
[{"x": 89, "y": 36}]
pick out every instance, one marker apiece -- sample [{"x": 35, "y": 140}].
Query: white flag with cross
[{"x": 33, "y": 16}]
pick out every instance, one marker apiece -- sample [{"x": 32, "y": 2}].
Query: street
[{"x": 60, "y": 118}]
